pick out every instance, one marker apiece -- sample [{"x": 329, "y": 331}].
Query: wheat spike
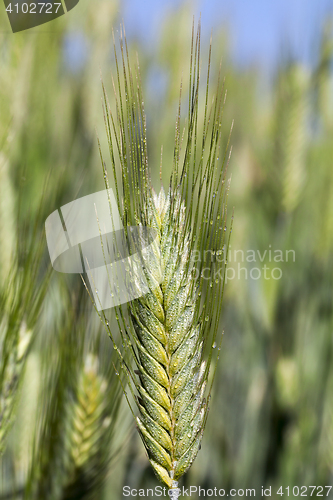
[
  {"x": 295, "y": 139},
  {"x": 291, "y": 134},
  {"x": 7, "y": 217},
  {"x": 169, "y": 333},
  {"x": 20, "y": 304},
  {"x": 11, "y": 377},
  {"x": 75, "y": 437},
  {"x": 171, "y": 402},
  {"x": 89, "y": 434}
]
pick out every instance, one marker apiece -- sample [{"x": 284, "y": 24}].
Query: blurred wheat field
[{"x": 271, "y": 414}]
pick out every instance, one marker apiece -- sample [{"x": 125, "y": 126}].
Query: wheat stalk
[{"x": 170, "y": 332}]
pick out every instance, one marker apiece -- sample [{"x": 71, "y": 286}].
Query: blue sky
[{"x": 259, "y": 28}]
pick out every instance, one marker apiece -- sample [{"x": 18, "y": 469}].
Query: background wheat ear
[
  {"x": 170, "y": 332},
  {"x": 79, "y": 405},
  {"x": 21, "y": 297}
]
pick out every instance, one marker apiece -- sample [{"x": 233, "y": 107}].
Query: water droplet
[
  {"x": 214, "y": 345},
  {"x": 207, "y": 318}
]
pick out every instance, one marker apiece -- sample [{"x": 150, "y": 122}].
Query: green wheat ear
[
  {"x": 75, "y": 438},
  {"x": 172, "y": 372},
  {"x": 89, "y": 433},
  {"x": 170, "y": 333},
  {"x": 21, "y": 300}
]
